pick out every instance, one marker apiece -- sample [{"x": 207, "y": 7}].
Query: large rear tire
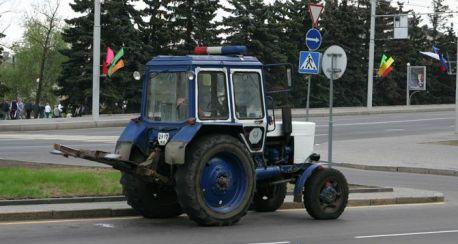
[
  {"x": 148, "y": 199},
  {"x": 326, "y": 194},
  {"x": 215, "y": 186},
  {"x": 269, "y": 198}
]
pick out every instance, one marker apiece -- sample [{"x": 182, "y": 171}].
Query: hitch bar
[{"x": 115, "y": 161}]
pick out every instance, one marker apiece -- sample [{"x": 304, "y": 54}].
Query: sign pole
[
  {"x": 407, "y": 85},
  {"x": 334, "y": 64},
  {"x": 331, "y": 122},
  {"x": 308, "y": 98}
]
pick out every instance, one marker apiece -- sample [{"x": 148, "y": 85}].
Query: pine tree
[
  {"x": 76, "y": 78},
  {"x": 438, "y": 17},
  {"x": 118, "y": 32},
  {"x": 155, "y": 31},
  {"x": 192, "y": 22},
  {"x": 251, "y": 23}
]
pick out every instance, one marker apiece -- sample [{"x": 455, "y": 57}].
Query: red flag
[
  {"x": 387, "y": 71},
  {"x": 110, "y": 56},
  {"x": 104, "y": 69}
]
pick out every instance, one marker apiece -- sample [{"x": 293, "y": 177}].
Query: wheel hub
[
  {"x": 222, "y": 183},
  {"x": 328, "y": 194}
]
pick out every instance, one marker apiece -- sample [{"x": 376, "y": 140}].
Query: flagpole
[
  {"x": 96, "y": 62},
  {"x": 370, "y": 71},
  {"x": 456, "y": 88}
]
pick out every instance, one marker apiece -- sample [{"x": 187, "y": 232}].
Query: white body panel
[{"x": 304, "y": 138}]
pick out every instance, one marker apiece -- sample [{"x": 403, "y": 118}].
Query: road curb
[
  {"x": 126, "y": 211},
  {"x": 377, "y": 201},
  {"x": 67, "y": 214},
  {"x": 61, "y": 200},
  {"x": 400, "y": 169}
]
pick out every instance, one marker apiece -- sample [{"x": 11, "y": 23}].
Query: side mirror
[{"x": 137, "y": 75}]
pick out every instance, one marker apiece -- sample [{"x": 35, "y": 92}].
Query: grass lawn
[
  {"x": 449, "y": 143},
  {"x": 45, "y": 182}
]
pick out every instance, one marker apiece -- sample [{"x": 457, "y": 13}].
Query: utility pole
[
  {"x": 370, "y": 71},
  {"x": 96, "y": 62},
  {"x": 456, "y": 88}
]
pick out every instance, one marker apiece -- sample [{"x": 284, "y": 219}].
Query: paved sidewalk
[
  {"x": 414, "y": 154},
  {"x": 120, "y": 120},
  {"x": 120, "y": 208}
]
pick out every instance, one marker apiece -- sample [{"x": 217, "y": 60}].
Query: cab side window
[
  {"x": 247, "y": 95},
  {"x": 212, "y": 96}
]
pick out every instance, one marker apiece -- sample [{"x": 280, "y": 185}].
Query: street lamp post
[
  {"x": 456, "y": 88},
  {"x": 96, "y": 62},
  {"x": 370, "y": 71}
]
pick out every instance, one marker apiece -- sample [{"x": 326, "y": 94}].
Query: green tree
[
  {"x": 155, "y": 30},
  {"x": 438, "y": 18},
  {"x": 45, "y": 33},
  {"x": 252, "y": 23},
  {"x": 193, "y": 23},
  {"x": 27, "y": 75},
  {"x": 118, "y": 31},
  {"x": 75, "y": 81}
]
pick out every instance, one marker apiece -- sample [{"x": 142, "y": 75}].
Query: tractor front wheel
[
  {"x": 215, "y": 186},
  {"x": 269, "y": 198},
  {"x": 326, "y": 194}
]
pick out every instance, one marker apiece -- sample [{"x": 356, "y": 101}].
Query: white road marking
[
  {"x": 104, "y": 225},
  {"x": 278, "y": 242},
  {"x": 321, "y": 135},
  {"x": 59, "y": 137},
  {"x": 394, "y": 130},
  {"x": 408, "y": 234},
  {"x": 387, "y": 122}
]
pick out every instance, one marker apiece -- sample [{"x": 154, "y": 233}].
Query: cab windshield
[{"x": 168, "y": 97}]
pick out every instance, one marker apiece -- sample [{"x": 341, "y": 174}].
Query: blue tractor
[{"x": 207, "y": 145}]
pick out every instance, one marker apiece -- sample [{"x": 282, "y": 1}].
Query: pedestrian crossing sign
[{"x": 309, "y": 62}]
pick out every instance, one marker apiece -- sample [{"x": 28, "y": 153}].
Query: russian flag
[{"x": 442, "y": 60}]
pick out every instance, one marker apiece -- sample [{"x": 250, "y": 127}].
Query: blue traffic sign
[
  {"x": 313, "y": 39},
  {"x": 309, "y": 62}
]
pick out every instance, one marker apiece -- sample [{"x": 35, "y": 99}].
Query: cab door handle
[{"x": 259, "y": 121}]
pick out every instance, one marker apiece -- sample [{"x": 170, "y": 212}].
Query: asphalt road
[
  {"x": 384, "y": 125},
  {"x": 35, "y": 145},
  {"x": 407, "y": 224}
]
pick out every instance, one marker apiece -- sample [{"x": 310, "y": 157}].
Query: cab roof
[{"x": 204, "y": 60}]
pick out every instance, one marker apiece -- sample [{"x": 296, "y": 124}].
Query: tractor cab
[{"x": 211, "y": 90}]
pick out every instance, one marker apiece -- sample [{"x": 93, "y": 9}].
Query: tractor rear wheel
[
  {"x": 148, "y": 199},
  {"x": 326, "y": 194},
  {"x": 269, "y": 198},
  {"x": 215, "y": 186}
]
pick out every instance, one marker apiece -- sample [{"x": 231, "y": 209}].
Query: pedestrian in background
[
  {"x": 5, "y": 109},
  {"x": 28, "y": 107},
  {"x": 42, "y": 109},
  {"x": 47, "y": 110},
  {"x": 13, "y": 109},
  {"x": 20, "y": 109},
  {"x": 56, "y": 112}
]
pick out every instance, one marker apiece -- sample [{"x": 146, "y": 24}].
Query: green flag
[
  {"x": 117, "y": 57},
  {"x": 115, "y": 60},
  {"x": 384, "y": 57}
]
